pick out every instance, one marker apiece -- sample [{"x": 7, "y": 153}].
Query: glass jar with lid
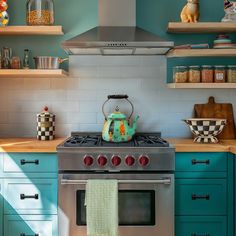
[
  {"x": 180, "y": 74},
  {"x": 220, "y": 74},
  {"x": 194, "y": 74},
  {"x": 207, "y": 74},
  {"x": 231, "y": 74},
  {"x": 40, "y": 12}
]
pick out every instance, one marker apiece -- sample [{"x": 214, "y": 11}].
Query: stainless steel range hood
[{"x": 117, "y": 34}]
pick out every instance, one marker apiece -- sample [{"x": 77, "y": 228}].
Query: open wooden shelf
[
  {"x": 202, "y": 53},
  {"x": 33, "y": 73},
  {"x": 201, "y": 27},
  {"x": 202, "y": 85},
  {"x": 31, "y": 30}
]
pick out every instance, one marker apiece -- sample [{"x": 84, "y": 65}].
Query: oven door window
[{"x": 136, "y": 207}]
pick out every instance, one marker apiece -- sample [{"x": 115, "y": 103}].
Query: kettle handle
[{"x": 118, "y": 96}]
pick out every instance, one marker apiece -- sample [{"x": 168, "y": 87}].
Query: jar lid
[
  {"x": 181, "y": 67},
  {"x": 45, "y": 113},
  {"x": 220, "y": 66},
  {"x": 207, "y": 66},
  {"x": 194, "y": 67}
]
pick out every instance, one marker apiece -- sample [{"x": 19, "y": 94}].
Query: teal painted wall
[
  {"x": 76, "y": 16},
  {"x": 154, "y": 15}
]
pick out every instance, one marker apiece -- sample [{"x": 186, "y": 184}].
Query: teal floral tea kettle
[{"x": 116, "y": 128}]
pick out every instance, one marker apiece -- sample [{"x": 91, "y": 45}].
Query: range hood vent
[{"x": 117, "y": 35}]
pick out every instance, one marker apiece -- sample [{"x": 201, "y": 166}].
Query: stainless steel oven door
[{"x": 146, "y": 204}]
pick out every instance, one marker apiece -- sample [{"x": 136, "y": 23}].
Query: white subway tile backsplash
[
  {"x": 65, "y": 106},
  {"x": 89, "y": 106},
  {"x": 4, "y": 118},
  {"x": 85, "y": 72},
  {"x": 77, "y": 101},
  {"x": 81, "y": 118},
  {"x": 36, "y": 83}
]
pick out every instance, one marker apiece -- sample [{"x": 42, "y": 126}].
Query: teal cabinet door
[
  {"x": 30, "y": 164},
  {"x": 201, "y": 197},
  {"x": 201, "y": 162},
  {"x": 34, "y": 196},
  {"x": 200, "y": 226},
  {"x": 24, "y": 225}
]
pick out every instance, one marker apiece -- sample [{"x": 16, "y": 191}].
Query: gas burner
[
  {"x": 146, "y": 140},
  {"x": 83, "y": 141}
]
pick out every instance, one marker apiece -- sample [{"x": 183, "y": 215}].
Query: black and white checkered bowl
[{"x": 206, "y": 129}]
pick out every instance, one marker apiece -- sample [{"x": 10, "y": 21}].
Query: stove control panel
[{"x": 119, "y": 162}]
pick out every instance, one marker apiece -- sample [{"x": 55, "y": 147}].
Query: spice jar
[
  {"x": 231, "y": 74},
  {"x": 207, "y": 74},
  {"x": 220, "y": 74},
  {"x": 15, "y": 63},
  {"x": 40, "y": 12},
  {"x": 194, "y": 74},
  {"x": 46, "y": 125},
  {"x": 180, "y": 74}
]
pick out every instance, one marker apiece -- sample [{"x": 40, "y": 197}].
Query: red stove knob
[
  {"x": 115, "y": 160},
  {"x": 144, "y": 160},
  {"x": 102, "y": 160},
  {"x": 88, "y": 160},
  {"x": 129, "y": 160}
]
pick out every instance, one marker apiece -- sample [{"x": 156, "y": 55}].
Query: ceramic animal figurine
[
  {"x": 190, "y": 12},
  {"x": 4, "y": 18},
  {"x": 230, "y": 11}
]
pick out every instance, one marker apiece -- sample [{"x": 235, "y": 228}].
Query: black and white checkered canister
[{"x": 45, "y": 125}]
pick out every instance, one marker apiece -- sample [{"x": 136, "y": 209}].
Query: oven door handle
[{"x": 156, "y": 181}]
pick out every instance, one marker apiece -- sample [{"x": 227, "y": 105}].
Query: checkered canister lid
[{"x": 45, "y": 125}]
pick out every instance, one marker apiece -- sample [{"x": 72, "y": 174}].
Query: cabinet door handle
[
  {"x": 29, "y": 235},
  {"x": 23, "y": 196},
  {"x": 195, "y": 162},
  {"x": 194, "y": 234},
  {"x": 195, "y": 197},
  {"x": 23, "y": 162}
]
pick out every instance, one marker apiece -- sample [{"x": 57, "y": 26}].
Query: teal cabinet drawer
[
  {"x": 201, "y": 197},
  {"x": 15, "y": 225},
  {"x": 200, "y": 226},
  {"x": 29, "y": 163},
  {"x": 201, "y": 162},
  {"x": 35, "y": 196}
]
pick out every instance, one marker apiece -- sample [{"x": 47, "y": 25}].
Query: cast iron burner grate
[{"x": 95, "y": 140}]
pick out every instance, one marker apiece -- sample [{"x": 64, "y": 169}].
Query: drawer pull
[
  {"x": 195, "y": 197},
  {"x": 194, "y": 234},
  {"x": 195, "y": 162},
  {"x": 29, "y": 235},
  {"x": 23, "y": 196},
  {"x": 23, "y": 162}
]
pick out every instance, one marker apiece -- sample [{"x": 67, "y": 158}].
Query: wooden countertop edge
[{"x": 26, "y": 145}]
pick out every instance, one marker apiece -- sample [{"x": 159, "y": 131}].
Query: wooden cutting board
[{"x": 218, "y": 110}]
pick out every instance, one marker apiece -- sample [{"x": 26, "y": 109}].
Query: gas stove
[
  {"x": 95, "y": 140},
  {"x": 88, "y": 152}
]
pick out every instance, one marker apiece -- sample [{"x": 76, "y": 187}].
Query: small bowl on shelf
[{"x": 206, "y": 129}]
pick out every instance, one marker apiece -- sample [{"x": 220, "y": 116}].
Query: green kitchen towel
[{"x": 102, "y": 207}]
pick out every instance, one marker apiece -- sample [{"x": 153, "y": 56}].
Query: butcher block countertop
[
  {"x": 29, "y": 145},
  {"x": 181, "y": 145}
]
